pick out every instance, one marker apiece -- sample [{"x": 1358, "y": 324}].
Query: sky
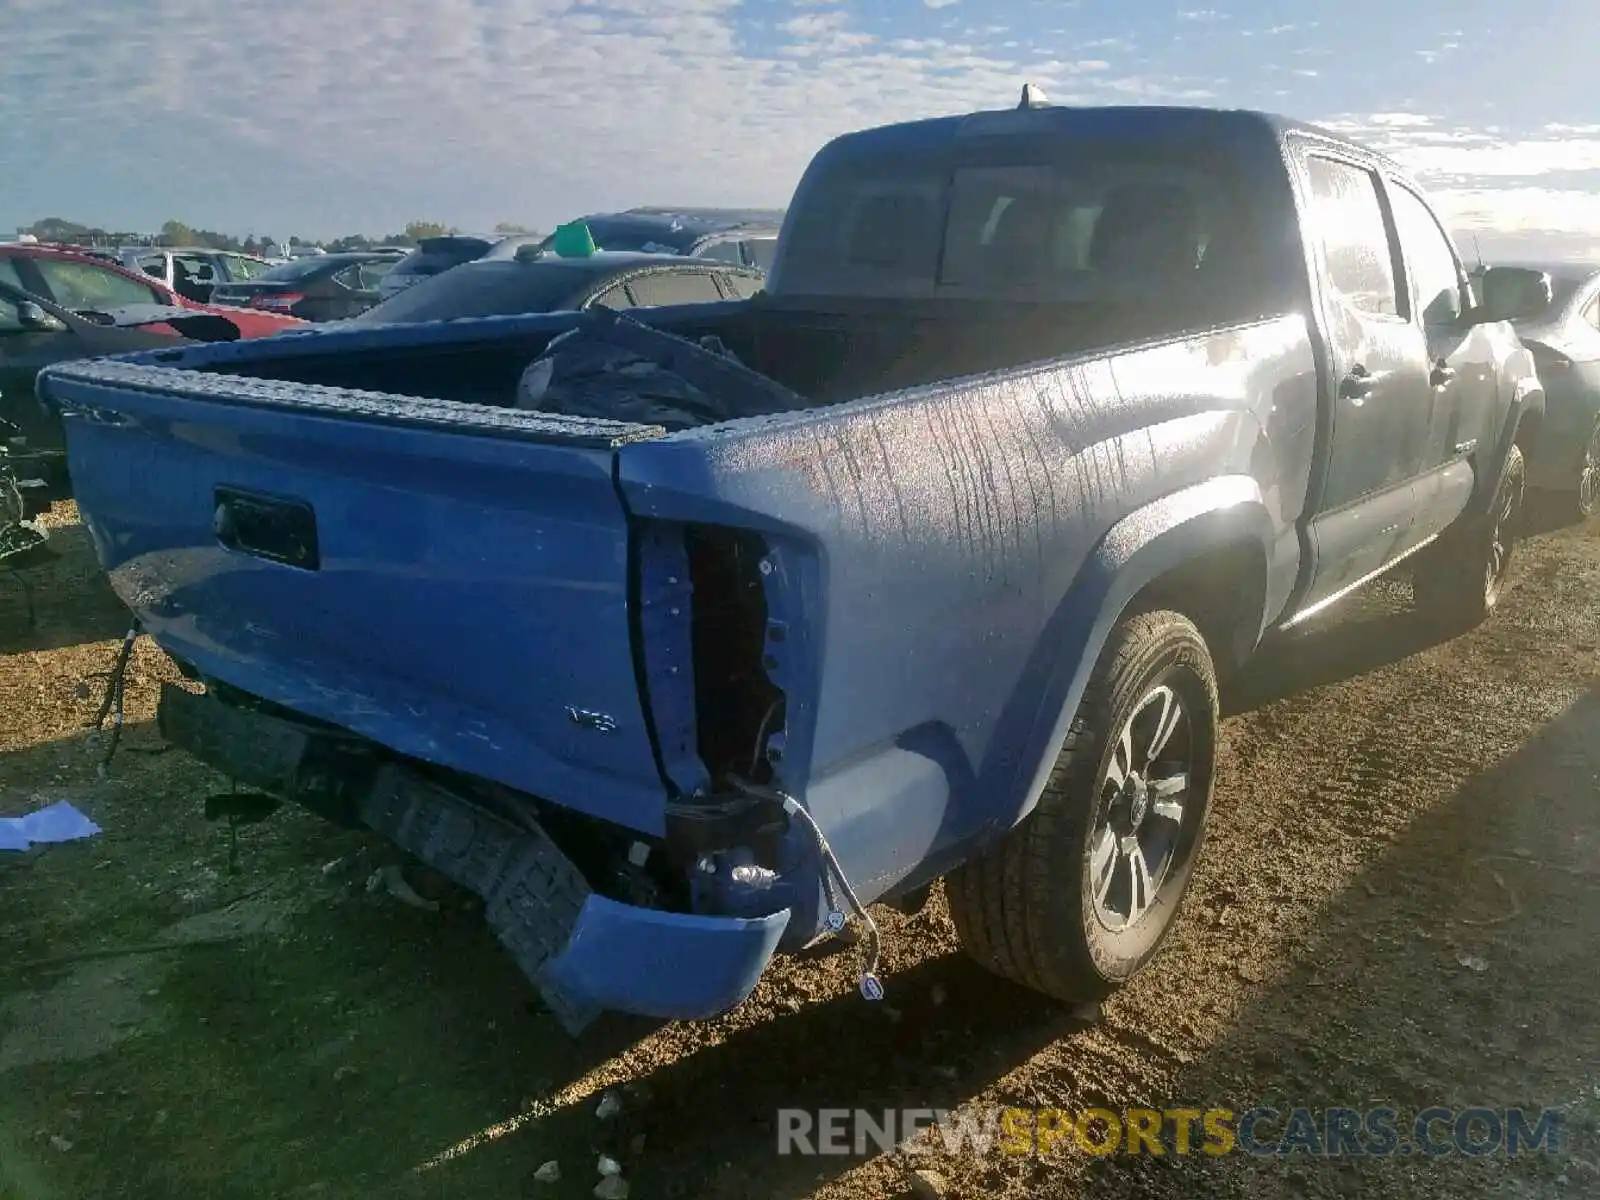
[{"x": 280, "y": 117}]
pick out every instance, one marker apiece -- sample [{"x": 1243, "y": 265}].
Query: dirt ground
[{"x": 1398, "y": 904}]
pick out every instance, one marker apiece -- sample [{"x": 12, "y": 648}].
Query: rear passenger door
[
  {"x": 1380, "y": 396},
  {"x": 673, "y": 287}
]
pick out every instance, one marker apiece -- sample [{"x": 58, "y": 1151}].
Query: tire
[
  {"x": 1027, "y": 908},
  {"x": 1460, "y": 582},
  {"x": 1587, "y": 500}
]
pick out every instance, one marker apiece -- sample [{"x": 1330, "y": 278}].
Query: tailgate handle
[{"x": 276, "y": 528}]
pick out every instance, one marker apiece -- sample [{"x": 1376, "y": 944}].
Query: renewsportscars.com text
[{"x": 1329, "y": 1132}]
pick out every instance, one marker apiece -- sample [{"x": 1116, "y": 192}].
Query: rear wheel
[
  {"x": 1461, "y": 580},
  {"x": 1589, "y": 475},
  {"x": 1081, "y": 894}
]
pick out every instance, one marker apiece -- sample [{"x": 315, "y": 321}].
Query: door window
[
  {"x": 1430, "y": 260},
  {"x": 723, "y": 252},
  {"x": 1348, "y": 218},
  {"x": 675, "y": 287},
  {"x": 84, "y": 286},
  {"x": 192, "y": 268},
  {"x": 760, "y": 252},
  {"x": 243, "y": 268},
  {"x": 8, "y": 273},
  {"x": 741, "y": 287},
  {"x": 1591, "y": 314},
  {"x": 363, "y": 277},
  {"x": 613, "y": 298}
]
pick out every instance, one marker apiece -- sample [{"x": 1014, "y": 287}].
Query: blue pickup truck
[{"x": 923, "y": 563}]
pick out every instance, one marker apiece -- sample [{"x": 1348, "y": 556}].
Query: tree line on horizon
[{"x": 176, "y": 233}]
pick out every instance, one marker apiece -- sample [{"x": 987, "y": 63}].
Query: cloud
[
  {"x": 320, "y": 118},
  {"x": 358, "y": 116},
  {"x": 1507, "y": 191}
]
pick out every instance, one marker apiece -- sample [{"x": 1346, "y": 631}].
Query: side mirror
[
  {"x": 35, "y": 319},
  {"x": 1514, "y": 294}
]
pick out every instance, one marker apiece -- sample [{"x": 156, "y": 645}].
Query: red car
[{"x": 84, "y": 284}]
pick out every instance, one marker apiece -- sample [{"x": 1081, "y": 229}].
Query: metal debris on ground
[
  {"x": 1473, "y": 963},
  {"x": 394, "y": 882},
  {"x": 610, "y": 1105},
  {"x": 928, "y": 1185},
  {"x": 607, "y": 1165},
  {"x": 24, "y": 541},
  {"x": 612, "y": 1187},
  {"x": 111, "y": 703},
  {"x": 550, "y": 1172}
]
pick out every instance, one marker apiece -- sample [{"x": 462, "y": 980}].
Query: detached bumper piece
[
  {"x": 587, "y": 954},
  {"x": 533, "y": 893}
]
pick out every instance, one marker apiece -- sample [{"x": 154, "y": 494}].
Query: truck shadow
[
  {"x": 387, "y": 1043},
  {"x": 1372, "y": 631},
  {"x": 337, "y": 1037},
  {"x": 1455, "y": 970},
  {"x": 710, "y": 1127},
  {"x": 1548, "y": 512}
]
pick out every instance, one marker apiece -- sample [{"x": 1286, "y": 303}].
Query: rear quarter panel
[{"x": 929, "y": 542}]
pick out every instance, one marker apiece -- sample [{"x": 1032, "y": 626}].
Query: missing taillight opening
[{"x": 738, "y": 709}]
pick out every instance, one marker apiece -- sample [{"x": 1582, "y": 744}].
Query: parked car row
[
  {"x": 742, "y": 237},
  {"x": 192, "y": 272},
  {"x": 35, "y": 332},
  {"x": 323, "y": 287},
  {"x": 85, "y": 283}
]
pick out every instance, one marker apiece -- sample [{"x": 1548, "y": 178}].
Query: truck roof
[{"x": 1111, "y": 121}]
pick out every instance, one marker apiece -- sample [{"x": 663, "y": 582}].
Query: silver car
[
  {"x": 190, "y": 271},
  {"x": 1564, "y": 340}
]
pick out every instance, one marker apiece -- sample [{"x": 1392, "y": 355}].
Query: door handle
[
  {"x": 1358, "y": 384},
  {"x": 1442, "y": 374}
]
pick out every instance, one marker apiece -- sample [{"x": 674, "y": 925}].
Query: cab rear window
[{"x": 1082, "y": 221}]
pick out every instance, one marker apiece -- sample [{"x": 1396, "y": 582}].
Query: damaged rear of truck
[{"x": 686, "y": 661}]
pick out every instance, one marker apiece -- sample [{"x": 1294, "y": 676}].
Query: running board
[{"x": 1327, "y": 602}]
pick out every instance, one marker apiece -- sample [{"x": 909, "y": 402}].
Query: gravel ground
[{"x": 1398, "y": 905}]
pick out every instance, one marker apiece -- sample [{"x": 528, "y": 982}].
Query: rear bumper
[{"x": 586, "y": 953}]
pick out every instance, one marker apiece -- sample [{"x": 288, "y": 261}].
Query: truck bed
[{"x": 824, "y": 356}]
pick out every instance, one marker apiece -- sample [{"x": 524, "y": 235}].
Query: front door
[
  {"x": 1462, "y": 364},
  {"x": 1380, "y": 394}
]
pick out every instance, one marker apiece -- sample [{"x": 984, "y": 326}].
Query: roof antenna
[{"x": 1032, "y": 97}]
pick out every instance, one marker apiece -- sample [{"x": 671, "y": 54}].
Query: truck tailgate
[{"x": 450, "y": 581}]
